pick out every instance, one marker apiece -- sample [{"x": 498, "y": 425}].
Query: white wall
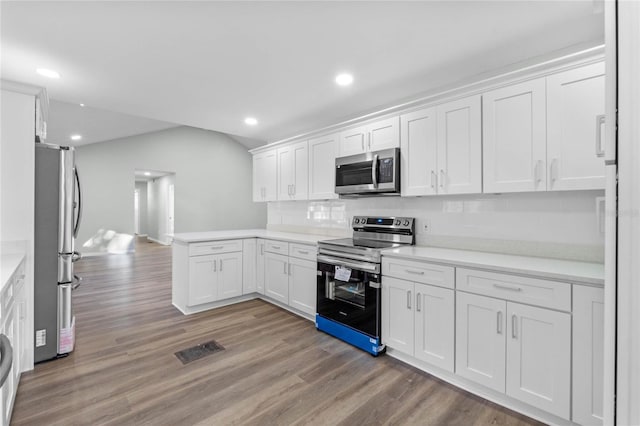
[
  {"x": 158, "y": 190},
  {"x": 213, "y": 176},
  {"x": 141, "y": 187},
  {"x": 550, "y": 224}
]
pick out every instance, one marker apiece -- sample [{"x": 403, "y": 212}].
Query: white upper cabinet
[
  {"x": 265, "y": 176},
  {"x": 293, "y": 171},
  {"x": 322, "y": 161},
  {"x": 441, "y": 149},
  {"x": 460, "y": 147},
  {"x": 514, "y": 138},
  {"x": 575, "y": 125},
  {"x": 418, "y": 152},
  {"x": 381, "y": 134}
]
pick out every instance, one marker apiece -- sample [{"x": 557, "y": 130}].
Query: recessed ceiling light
[
  {"x": 48, "y": 73},
  {"x": 344, "y": 79},
  {"x": 81, "y": 105},
  {"x": 250, "y": 121},
  {"x": 147, "y": 174},
  {"x": 76, "y": 137}
]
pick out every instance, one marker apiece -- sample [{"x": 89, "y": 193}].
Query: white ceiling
[{"x": 210, "y": 64}]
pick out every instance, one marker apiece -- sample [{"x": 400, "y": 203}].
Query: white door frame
[
  {"x": 170, "y": 213},
  {"x": 136, "y": 211}
]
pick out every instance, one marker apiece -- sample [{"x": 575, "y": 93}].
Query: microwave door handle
[{"x": 374, "y": 171}]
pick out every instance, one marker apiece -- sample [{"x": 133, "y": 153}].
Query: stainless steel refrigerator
[{"x": 58, "y": 209}]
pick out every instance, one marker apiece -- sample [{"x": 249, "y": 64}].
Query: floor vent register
[{"x": 199, "y": 351}]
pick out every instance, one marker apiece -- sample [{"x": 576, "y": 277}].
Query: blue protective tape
[{"x": 349, "y": 335}]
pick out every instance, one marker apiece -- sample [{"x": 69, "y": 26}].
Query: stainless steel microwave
[{"x": 369, "y": 174}]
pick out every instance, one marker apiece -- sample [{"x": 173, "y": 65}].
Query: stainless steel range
[{"x": 349, "y": 279}]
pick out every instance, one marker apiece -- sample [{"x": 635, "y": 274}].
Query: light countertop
[
  {"x": 195, "y": 237},
  {"x": 556, "y": 269},
  {"x": 8, "y": 265}
]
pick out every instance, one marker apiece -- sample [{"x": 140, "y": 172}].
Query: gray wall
[
  {"x": 142, "y": 207},
  {"x": 213, "y": 184}
]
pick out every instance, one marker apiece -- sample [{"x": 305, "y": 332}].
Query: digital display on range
[{"x": 379, "y": 221}]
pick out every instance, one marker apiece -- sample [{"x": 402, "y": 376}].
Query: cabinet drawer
[
  {"x": 278, "y": 247},
  {"x": 214, "y": 247},
  {"x": 420, "y": 272},
  {"x": 302, "y": 251},
  {"x": 550, "y": 294}
]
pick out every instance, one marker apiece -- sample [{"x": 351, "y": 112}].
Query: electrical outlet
[{"x": 425, "y": 226}]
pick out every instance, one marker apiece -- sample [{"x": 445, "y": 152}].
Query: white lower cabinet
[
  {"x": 521, "y": 350},
  {"x": 302, "y": 285},
  {"x": 418, "y": 320},
  {"x": 214, "y": 277},
  {"x": 588, "y": 355},
  {"x": 249, "y": 259},
  {"x": 276, "y": 277},
  {"x": 291, "y": 279},
  {"x": 260, "y": 265}
]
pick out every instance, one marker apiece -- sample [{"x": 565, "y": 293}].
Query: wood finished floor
[{"x": 276, "y": 369}]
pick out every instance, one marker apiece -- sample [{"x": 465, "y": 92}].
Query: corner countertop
[
  {"x": 196, "y": 237},
  {"x": 555, "y": 269},
  {"x": 8, "y": 265}
]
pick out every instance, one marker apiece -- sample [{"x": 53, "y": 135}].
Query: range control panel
[{"x": 360, "y": 222}]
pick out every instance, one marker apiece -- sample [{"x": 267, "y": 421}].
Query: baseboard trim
[{"x": 158, "y": 241}]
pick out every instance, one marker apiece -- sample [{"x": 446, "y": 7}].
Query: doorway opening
[{"x": 154, "y": 205}]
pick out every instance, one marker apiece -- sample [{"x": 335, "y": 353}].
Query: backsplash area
[{"x": 565, "y": 225}]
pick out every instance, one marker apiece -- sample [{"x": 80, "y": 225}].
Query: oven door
[
  {"x": 370, "y": 172},
  {"x": 349, "y": 295}
]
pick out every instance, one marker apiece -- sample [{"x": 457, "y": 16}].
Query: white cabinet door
[
  {"x": 459, "y": 147},
  {"x": 539, "y": 357},
  {"x": 480, "y": 339},
  {"x": 514, "y": 138},
  {"x": 302, "y": 285},
  {"x": 300, "y": 166},
  {"x": 249, "y": 265},
  {"x": 588, "y": 355},
  {"x": 575, "y": 122},
  {"x": 265, "y": 176},
  {"x": 285, "y": 172},
  {"x": 384, "y": 134},
  {"x": 434, "y": 325},
  {"x": 203, "y": 279},
  {"x": 229, "y": 275},
  {"x": 353, "y": 141},
  {"x": 322, "y": 167},
  {"x": 276, "y": 277},
  {"x": 260, "y": 266},
  {"x": 418, "y": 153},
  {"x": 397, "y": 314}
]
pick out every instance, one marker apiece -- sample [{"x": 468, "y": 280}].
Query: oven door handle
[
  {"x": 362, "y": 266},
  {"x": 339, "y": 254}
]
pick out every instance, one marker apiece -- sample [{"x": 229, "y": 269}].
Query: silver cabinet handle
[
  {"x": 220, "y": 265},
  {"x": 303, "y": 252},
  {"x": 362, "y": 143},
  {"x": 369, "y": 140},
  {"x": 285, "y": 268},
  {"x": 537, "y": 172},
  {"x": 217, "y": 247},
  {"x": 275, "y": 247},
  {"x": 506, "y": 287},
  {"x": 514, "y": 325},
  {"x": 408, "y": 299},
  {"x": 418, "y": 302},
  {"x": 433, "y": 179},
  {"x": 409, "y": 271},
  {"x": 599, "y": 123},
  {"x": 215, "y": 266},
  {"x": 553, "y": 170},
  {"x": 499, "y": 330},
  {"x": 442, "y": 178},
  {"x": 261, "y": 249}
]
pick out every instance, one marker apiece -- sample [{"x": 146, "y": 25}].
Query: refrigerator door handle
[
  {"x": 77, "y": 281},
  {"x": 79, "y": 214},
  {"x": 76, "y": 256},
  {"x": 6, "y": 355}
]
